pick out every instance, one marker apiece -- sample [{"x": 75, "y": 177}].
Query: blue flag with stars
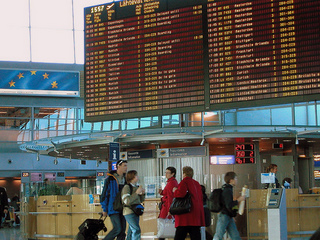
[{"x": 39, "y": 82}]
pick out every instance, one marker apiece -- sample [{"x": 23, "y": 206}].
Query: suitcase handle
[{"x": 101, "y": 216}]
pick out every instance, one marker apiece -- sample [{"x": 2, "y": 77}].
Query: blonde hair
[{"x": 271, "y": 167}]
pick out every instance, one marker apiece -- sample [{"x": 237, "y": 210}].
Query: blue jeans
[
  {"x": 226, "y": 223},
  {"x": 134, "y": 231},
  {"x": 119, "y": 227}
]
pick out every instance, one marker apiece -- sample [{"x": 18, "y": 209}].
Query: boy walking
[{"x": 229, "y": 210}]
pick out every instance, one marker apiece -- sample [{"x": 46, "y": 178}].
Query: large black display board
[{"x": 145, "y": 57}]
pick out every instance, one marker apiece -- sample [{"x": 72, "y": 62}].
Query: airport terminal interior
[{"x": 230, "y": 85}]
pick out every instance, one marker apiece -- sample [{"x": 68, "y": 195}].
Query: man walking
[
  {"x": 112, "y": 185},
  {"x": 229, "y": 210}
]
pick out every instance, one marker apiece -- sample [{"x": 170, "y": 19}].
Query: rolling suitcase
[{"x": 89, "y": 229}]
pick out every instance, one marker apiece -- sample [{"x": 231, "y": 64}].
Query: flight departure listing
[{"x": 147, "y": 57}]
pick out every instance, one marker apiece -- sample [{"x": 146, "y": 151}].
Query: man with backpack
[
  {"x": 112, "y": 186},
  {"x": 229, "y": 209}
]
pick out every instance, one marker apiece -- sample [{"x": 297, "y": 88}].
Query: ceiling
[{"x": 219, "y": 142}]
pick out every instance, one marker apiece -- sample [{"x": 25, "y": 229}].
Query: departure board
[{"x": 147, "y": 57}]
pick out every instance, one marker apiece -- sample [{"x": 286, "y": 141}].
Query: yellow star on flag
[
  {"x": 12, "y": 83},
  {"x": 20, "y": 75},
  {"x": 33, "y": 72},
  {"x": 54, "y": 84},
  {"x": 45, "y": 76}
]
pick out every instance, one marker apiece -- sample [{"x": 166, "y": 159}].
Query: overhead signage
[
  {"x": 140, "y": 154},
  {"x": 222, "y": 159},
  {"x": 114, "y": 151},
  {"x": 181, "y": 152}
]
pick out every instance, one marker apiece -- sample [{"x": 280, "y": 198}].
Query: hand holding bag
[
  {"x": 181, "y": 205},
  {"x": 166, "y": 228}
]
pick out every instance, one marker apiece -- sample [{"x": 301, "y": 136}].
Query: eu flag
[{"x": 39, "y": 82}]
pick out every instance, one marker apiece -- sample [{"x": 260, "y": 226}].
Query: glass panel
[
  {"x": 194, "y": 119},
  {"x": 61, "y": 124},
  {"x": 254, "y": 117},
  {"x": 211, "y": 118},
  {"x": 97, "y": 126},
  {"x": 311, "y": 115},
  {"x": 52, "y": 46},
  {"x": 171, "y": 120},
  {"x": 85, "y": 126},
  {"x": 145, "y": 122},
  {"x": 14, "y": 117},
  {"x": 15, "y": 46},
  {"x": 19, "y": 8},
  {"x": 9, "y": 112},
  {"x": 282, "y": 116},
  {"x": 230, "y": 118},
  {"x": 116, "y": 125},
  {"x": 79, "y": 43},
  {"x": 24, "y": 136},
  {"x": 318, "y": 113},
  {"x": 48, "y": 14},
  {"x": 132, "y": 123},
  {"x": 106, "y": 126},
  {"x": 54, "y": 112},
  {"x": 71, "y": 125},
  {"x": 300, "y": 115},
  {"x": 71, "y": 113}
]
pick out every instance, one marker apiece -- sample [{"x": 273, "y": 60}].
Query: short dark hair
[
  {"x": 287, "y": 179},
  {"x": 172, "y": 170},
  {"x": 131, "y": 175},
  {"x": 229, "y": 176},
  {"x": 188, "y": 171},
  {"x": 120, "y": 162}
]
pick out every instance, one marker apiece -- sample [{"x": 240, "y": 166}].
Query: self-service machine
[{"x": 277, "y": 214}]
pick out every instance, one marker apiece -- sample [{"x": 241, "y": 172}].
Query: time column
[{"x": 220, "y": 49}]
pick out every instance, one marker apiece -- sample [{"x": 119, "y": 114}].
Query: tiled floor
[{"x": 12, "y": 233}]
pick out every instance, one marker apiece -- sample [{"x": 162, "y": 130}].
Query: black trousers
[{"x": 194, "y": 232}]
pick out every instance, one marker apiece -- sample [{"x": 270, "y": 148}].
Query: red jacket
[
  {"x": 167, "y": 197},
  {"x": 196, "y": 216}
]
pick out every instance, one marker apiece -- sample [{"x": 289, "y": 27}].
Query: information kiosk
[{"x": 277, "y": 214}]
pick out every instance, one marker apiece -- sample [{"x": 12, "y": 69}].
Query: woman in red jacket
[
  {"x": 192, "y": 221},
  {"x": 167, "y": 193}
]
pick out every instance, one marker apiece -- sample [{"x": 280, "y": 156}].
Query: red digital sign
[{"x": 245, "y": 153}]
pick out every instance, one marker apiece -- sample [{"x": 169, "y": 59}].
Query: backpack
[
  {"x": 104, "y": 190},
  {"x": 138, "y": 209},
  {"x": 215, "y": 200}
]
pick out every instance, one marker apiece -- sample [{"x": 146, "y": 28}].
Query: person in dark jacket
[
  {"x": 112, "y": 185},
  {"x": 229, "y": 210},
  {"x": 192, "y": 221},
  {"x": 4, "y": 205}
]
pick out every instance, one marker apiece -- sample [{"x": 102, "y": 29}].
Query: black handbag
[
  {"x": 181, "y": 205},
  {"x": 138, "y": 209}
]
